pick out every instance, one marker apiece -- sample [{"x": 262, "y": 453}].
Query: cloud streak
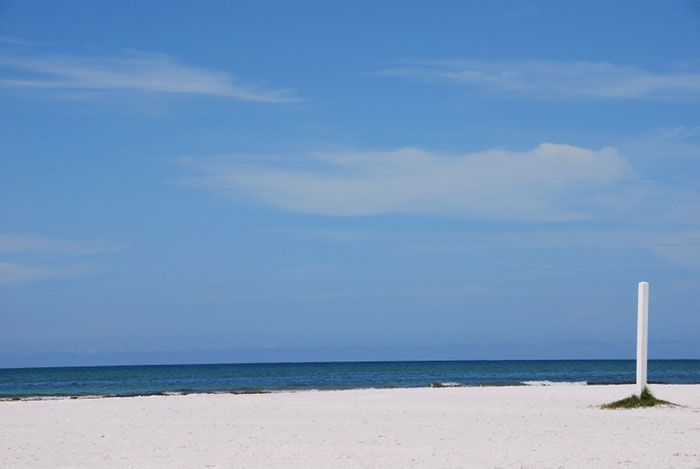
[
  {"x": 551, "y": 182},
  {"x": 18, "y": 41},
  {"x": 12, "y": 274},
  {"x": 28, "y": 247},
  {"x": 13, "y": 243},
  {"x": 556, "y": 79},
  {"x": 682, "y": 248},
  {"x": 156, "y": 73},
  {"x": 678, "y": 133}
]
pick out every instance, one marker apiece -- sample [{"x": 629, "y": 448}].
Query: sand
[{"x": 539, "y": 427}]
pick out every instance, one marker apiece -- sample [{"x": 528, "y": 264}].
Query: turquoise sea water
[{"x": 261, "y": 377}]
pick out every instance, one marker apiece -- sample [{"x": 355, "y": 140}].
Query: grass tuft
[{"x": 647, "y": 399}]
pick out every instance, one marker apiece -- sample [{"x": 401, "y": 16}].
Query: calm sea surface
[{"x": 163, "y": 379}]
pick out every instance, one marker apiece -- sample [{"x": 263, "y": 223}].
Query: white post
[{"x": 642, "y": 335}]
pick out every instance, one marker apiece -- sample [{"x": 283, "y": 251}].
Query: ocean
[{"x": 269, "y": 377}]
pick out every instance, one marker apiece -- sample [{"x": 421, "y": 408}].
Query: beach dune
[{"x": 519, "y": 426}]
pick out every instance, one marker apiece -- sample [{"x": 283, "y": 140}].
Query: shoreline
[
  {"x": 436, "y": 385},
  {"x": 530, "y": 426}
]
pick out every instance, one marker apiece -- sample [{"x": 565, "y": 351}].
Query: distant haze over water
[{"x": 582, "y": 350}]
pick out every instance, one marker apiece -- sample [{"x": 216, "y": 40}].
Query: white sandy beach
[{"x": 539, "y": 427}]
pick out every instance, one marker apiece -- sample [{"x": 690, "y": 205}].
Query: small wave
[
  {"x": 445, "y": 385},
  {"x": 482, "y": 384},
  {"x": 555, "y": 383},
  {"x": 48, "y": 398}
]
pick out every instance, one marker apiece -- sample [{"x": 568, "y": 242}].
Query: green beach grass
[{"x": 646, "y": 399}]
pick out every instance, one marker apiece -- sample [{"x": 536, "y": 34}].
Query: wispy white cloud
[
  {"x": 12, "y": 243},
  {"x": 12, "y": 274},
  {"x": 30, "y": 252},
  {"x": 18, "y": 41},
  {"x": 556, "y": 79},
  {"x": 336, "y": 235},
  {"x": 146, "y": 72},
  {"x": 681, "y": 248},
  {"x": 680, "y": 132},
  {"x": 550, "y": 182}
]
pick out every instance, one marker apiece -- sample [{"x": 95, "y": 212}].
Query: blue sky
[{"x": 243, "y": 181}]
